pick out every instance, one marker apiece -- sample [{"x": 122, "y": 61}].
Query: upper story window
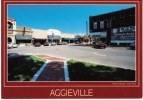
[
  {"x": 108, "y": 23},
  {"x": 101, "y": 24},
  {"x": 95, "y": 25},
  {"x": 10, "y": 25}
]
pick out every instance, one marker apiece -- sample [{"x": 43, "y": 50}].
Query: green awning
[
  {"x": 66, "y": 38},
  {"x": 23, "y": 37},
  {"x": 50, "y": 37},
  {"x": 70, "y": 39},
  {"x": 75, "y": 39}
]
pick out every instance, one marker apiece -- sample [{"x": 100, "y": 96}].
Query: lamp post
[
  {"x": 52, "y": 36},
  {"x": 87, "y": 30}
]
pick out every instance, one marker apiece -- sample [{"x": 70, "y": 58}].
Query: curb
[
  {"x": 66, "y": 71},
  {"x": 39, "y": 72}
]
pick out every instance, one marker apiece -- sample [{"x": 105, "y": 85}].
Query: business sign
[
  {"x": 123, "y": 33},
  {"x": 99, "y": 34}
]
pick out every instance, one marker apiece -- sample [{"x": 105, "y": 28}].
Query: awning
[
  {"x": 66, "y": 38},
  {"x": 50, "y": 37},
  {"x": 23, "y": 37},
  {"x": 73, "y": 39}
]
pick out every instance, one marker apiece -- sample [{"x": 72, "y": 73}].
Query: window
[
  {"x": 108, "y": 23},
  {"x": 10, "y": 26},
  {"x": 115, "y": 30},
  {"x": 95, "y": 25},
  {"x": 101, "y": 24}
]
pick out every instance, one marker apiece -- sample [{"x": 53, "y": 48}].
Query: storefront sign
[{"x": 123, "y": 33}]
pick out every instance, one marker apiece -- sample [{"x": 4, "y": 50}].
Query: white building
[
  {"x": 24, "y": 35},
  {"x": 54, "y": 35},
  {"x": 11, "y": 30}
]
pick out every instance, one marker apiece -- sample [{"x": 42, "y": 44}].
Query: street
[{"x": 111, "y": 56}]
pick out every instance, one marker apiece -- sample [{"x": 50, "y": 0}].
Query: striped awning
[
  {"x": 23, "y": 37},
  {"x": 50, "y": 37}
]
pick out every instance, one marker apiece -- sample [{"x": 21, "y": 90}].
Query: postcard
[{"x": 71, "y": 49}]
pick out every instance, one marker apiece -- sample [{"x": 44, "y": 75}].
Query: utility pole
[
  {"x": 87, "y": 29},
  {"x": 52, "y": 36}
]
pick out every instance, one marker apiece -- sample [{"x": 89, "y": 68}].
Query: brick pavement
[
  {"x": 53, "y": 71},
  {"x": 50, "y": 58}
]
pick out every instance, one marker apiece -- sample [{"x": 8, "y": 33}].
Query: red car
[{"x": 100, "y": 44}]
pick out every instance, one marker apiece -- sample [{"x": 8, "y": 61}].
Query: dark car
[
  {"x": 100, "y": 44},
  {"x": 59, "y": 43},
  {"x": 77, "y": 42},
  {"x": 132, "y": 45},
  {"x": 46, "y": 44},
  {"x": 37, "y": 44}
]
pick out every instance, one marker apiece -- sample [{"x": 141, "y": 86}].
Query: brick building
[{"x": 116, "y": 28}]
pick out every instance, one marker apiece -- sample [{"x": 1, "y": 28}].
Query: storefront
[
  {"x": 39, "y": 36},
  {"x": 99, "y": 36},
  {"x": 69, "y": 40},
  {"x": 54, "y": 38},
  {"x": 23, "y": 38},
  {"x": 118, "y": 26}
]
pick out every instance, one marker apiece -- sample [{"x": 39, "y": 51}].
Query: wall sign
[{"x": 123, "y": 33}]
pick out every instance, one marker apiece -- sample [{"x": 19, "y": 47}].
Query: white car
[
  {"x": 14, "y": 45},
  {"x": 9, "y": 45},
  {"x": 65, "y": 43}
]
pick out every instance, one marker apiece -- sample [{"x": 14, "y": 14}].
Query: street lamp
[
  {"x": 89, "y": 39},
  {"x": 87, "y": 30},
  {"x": 52, "y": 36}
]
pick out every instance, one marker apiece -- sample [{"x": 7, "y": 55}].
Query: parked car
[
  {"x": 77, "y": 42},
  {"x": 46, "y": 44},
  {"x": 65, "y": 43},
  {"x": 14, "y": 45},
  {"x": 37, "y": 44},
  {"x": 100, "y": 44},
  {"x": 53, "y": 44},
  {"x": 59, "y": 43},
  {"x": 9, "y": 45},
  {"x": 132, "y": 45}
]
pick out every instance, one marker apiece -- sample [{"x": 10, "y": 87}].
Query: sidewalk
[{"x": 53, "y": 70}]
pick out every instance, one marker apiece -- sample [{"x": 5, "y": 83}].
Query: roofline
[{"x": 112, "y": 12}]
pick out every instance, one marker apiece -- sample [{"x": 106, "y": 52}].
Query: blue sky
[{"x": 66, "y": 18}]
